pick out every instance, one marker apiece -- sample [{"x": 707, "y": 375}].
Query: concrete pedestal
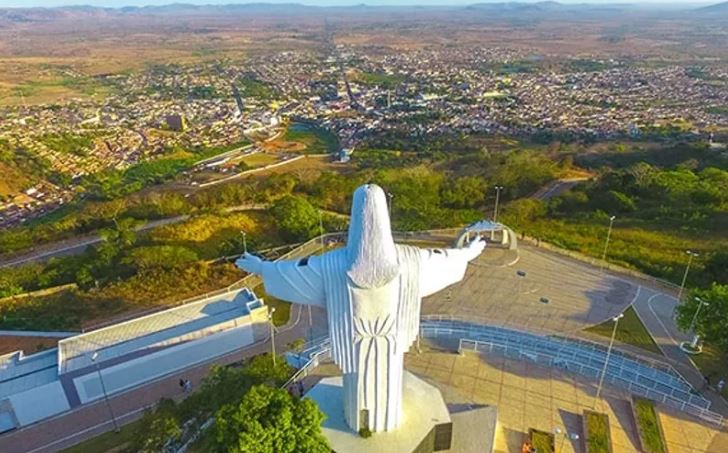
[{"x": 426, "y": 426}]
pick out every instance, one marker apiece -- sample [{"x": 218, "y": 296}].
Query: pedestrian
[
  {"x": 182, "y": 384},
  {"x": 300, "y": 388},
  {"x": 721, "y": 385},
  {"x": 188, "y": 386}
]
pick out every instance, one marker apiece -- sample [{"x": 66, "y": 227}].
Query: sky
[{"x": 119, "y": 3}]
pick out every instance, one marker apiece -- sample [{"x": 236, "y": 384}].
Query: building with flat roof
[{"x": 126, "y": 355}]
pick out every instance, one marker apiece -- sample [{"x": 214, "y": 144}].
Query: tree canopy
[
  {"x": 712, "y": 322},
  {"x": 270, "y": 420}
]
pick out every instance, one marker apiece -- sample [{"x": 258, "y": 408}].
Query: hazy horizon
[{"x": 123, "y": 3}]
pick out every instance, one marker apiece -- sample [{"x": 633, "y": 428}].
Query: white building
[{"x": 126, "y": 355}]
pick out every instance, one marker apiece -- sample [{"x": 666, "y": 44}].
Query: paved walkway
[
  {"x": 528, "y": 395},
  {"x": 90, "y": 420},
  {"x": 578, "y": 295}
]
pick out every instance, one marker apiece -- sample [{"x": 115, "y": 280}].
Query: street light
[
  {"x": 390, "y": 196},
  {"x": 497, "y": 199},
  {"x": 272, "y": 334},
  {"x": 606, "y": 243},
  {"x": 245, "y": 243},
  {"x": 691, "y": 255},
  {"x": 606, "y": 360},
  {"x": 103, "y": 388},
  {"x": 572, "y": 436},
  {"x": 696, "y": 337}
]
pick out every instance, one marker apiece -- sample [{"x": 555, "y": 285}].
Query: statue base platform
[{"x": 426, "y": 425}]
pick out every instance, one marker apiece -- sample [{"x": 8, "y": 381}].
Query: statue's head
[{"x": 371, "y": 254}]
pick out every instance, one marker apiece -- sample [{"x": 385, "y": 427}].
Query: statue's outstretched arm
[
  {"x": 440, "y": 268},
  {"x": 297, "y": 281}
]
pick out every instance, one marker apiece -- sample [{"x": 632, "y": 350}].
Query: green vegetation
[
  {"x": 630, "y": 330},
  {"x": 270, "y": 420},
  {"x": 666, "y": 201},
  {"x": 317, "y": 139},
  {"x": 108, "y": 441},
  {"x": 250, "y": 86},
  {"x": 296, "y": 217},
  {"x": 596, "y": 429},
  {"x": 67, "y": 143},
  {"x": 542, "y": 441},
  {"x": 282, "y": 312},
  {"x": 380, "y": 79},
  {"x": 648, "y": 426},
  {"x": 713, "y": 363},
  {"x": 711, "y": 325},
  {"x": 225, "y": 388}
]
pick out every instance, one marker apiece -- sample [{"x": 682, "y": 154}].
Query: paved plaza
[
  {"x": 577, "y": 294},
  {"x": 531, "y": 396}
]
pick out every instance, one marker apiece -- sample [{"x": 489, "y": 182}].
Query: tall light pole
[
  {"x": 272, "y": 334},
  {"x": 95, "y": 356},
  {"x": 606, "y": 360},
  {"x": 497, "y": 199},
  {"x": 691, "y": 255},
  {"x": 245, "y": 242},
  {"x": 606, "y": 243},
  {"x": 696, "y": 337},
  {"x": 390, "y": 196}
]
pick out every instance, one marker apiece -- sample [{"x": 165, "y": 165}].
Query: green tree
[
  {"x": 270, "y": 420},
  {"x": 465, "y": 192},
  {"x": 159, "y": 257},
  {"x": 159, "y": 428},
  {"x": 297, "y": 219},
  {"x": 712, "y": 323}
]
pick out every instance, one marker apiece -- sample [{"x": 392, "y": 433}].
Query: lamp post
[
  {"x": 696, "y": 337},
  {"x": 497, "y": 199},
  {"x": 691, "y": 255},
  {"x": 95, "y": 356},
  {"x": 390, "y": 196},
  {"x": 245, "y": 243},
  {"x": 606, "y": 243},
  {"x": 572, "y": 436},
  {"x": 606, "y": 360},
  {"x": 272, "y": 334}
]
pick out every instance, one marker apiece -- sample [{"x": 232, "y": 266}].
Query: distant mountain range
[
  {"x": 506, "y": 9},
  {"x": 717, "y": 8}
]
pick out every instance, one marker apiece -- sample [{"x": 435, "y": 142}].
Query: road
[
  {"x": 77, "y": 245},
  {"x": 655, "y": 309},
  {"x": 556, "y": 188}
]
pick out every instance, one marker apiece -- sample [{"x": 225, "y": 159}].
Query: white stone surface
[
  {"x": 423, "y": 405},
  {"x": 39, "y": 403},
  {"x": 143, "y": 369},
  {"x": 372, "y": 290}
]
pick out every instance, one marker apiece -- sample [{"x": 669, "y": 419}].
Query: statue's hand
[
  {"x": 476, "y": 247},
  {"x": 250, "y": 263}
]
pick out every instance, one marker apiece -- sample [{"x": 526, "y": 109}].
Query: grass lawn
[
  {"x": 713, "y": 363},
  {"x": 107, "y": 442},
  {"x": 283, "y": 309},
  {"x": 542, "y": 441},
  {"x": 597, "y": 432},
  {"x": 648, "y": 426},
  {"x": 629, "y": 331},
  {"x": 259, "y": 160}
]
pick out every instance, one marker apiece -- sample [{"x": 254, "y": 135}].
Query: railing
[{"x": 567, "y": 365}]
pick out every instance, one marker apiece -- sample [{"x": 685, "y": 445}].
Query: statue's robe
[{"x": 370, "y": 328}]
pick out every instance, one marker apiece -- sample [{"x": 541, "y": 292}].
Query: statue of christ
[{"x": 372, "y": 291}]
